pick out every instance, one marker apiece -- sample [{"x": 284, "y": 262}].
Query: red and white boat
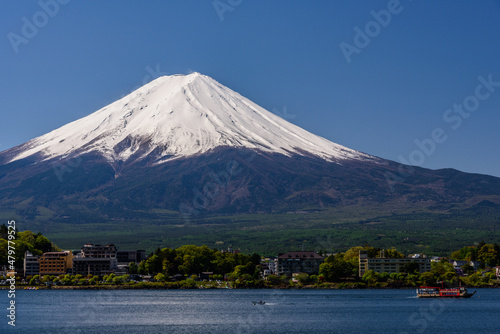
[{"x": 437, "y": 292}]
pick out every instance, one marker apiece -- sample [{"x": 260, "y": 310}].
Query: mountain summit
[{"x": 179, "y": 116}]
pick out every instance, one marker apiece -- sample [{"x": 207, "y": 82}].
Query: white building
[{"x": 389, "y": 265}]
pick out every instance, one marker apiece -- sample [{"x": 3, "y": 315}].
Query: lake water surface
[{"x": 232, "y": 311}]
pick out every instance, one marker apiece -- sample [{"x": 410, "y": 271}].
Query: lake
[{"x": 232, "y": 311}]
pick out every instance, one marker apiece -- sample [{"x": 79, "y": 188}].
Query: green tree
[
  {"x": 443, "y": 270},
  {"x": 465, "y": 253},
  {"x": 335, "y": 267},
  {"x": 488, "y": 255},
  {"x": 352, "y": 255},
  {"x": 153, "y": 265},
  {"x": 414, "y": 279},
  {"x": 110, "y": 278},
  {"x": 475, "y": 279},
  {"x": 468, "y": 269},
  {"x": 410, "y": 267},
  {"x": 370, "y": 277},
  {"x": 117, "y": 280},
  {"x": 42, "y": 243},
  {"x": 45, "y": 278},
  {"x": 133, "y": 268},
  {"x": 428, "y": 279},
  {"x": 393, "y": 253},
  {"x": 141, "y": 268},
  {"x": 397, "y": 277},
  {"x": 34, "y": 280},
  {"x": 26, "y": 236},
  {"x": 302, "y": 278},
  {"x": 273, "y": 279},
  {"x": 255, "y": 258}
]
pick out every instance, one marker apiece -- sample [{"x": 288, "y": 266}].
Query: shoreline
[{"x": 160, "y": 287}]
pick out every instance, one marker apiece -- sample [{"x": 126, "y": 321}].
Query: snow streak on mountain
[{"x": 180, "y": 116}]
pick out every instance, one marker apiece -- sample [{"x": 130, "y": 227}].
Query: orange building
[{"x": 56, "y": 263}]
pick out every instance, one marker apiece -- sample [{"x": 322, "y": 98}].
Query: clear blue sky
[{"x": 283, "y": 55}]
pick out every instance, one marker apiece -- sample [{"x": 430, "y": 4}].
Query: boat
[
  {"x": 259, "y": 303},
  {"x": 437, "y": 292}
]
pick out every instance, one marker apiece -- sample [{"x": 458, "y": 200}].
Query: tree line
[{"x": 340, "y": 269}]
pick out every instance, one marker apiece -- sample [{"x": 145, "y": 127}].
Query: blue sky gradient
[{"x": 390, "y": 94}]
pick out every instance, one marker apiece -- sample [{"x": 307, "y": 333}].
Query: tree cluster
[
  {"x": 487, "y": 254},
  {"x": 37, "y": 244},
  {"x": 192, "y": 260}
]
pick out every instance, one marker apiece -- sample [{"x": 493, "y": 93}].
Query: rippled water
[{"x": 232, "y": 311}]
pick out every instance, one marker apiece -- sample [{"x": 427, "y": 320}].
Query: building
[
  {"x": 303, "y": 262},
  {"x": 458, "y": 263},
  {"x": 416, "y": 256},
  {"x": 56, "y": 263},
  {"x": 124, "y": 257},
  {"x": 269, "y": 266},
  {"x": 475, "y": 264},
  {"x": 91, "y": 266},
  {"x": 389, "y": 265},
  {"x": 99, "y": 251},
  {"x": 205, "y": 275},
  {"x": 31, "y": 264},
  {"x": 97, "y": 260},
  {"x": 497, "y": 272},
  {"x": 265, "y": 270},
  {"x": 231, "y": 250}
]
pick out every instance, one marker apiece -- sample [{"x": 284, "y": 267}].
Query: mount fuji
[
  {"x": 191, "y": 147},
  {"x": 179, "y": 116}
]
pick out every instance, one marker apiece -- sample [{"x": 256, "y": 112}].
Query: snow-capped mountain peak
[{"x": 179, "y": 116}]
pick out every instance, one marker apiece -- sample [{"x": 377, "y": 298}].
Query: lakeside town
[{"x": 190, "y": 266}]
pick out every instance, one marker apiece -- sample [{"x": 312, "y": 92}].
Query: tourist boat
[{"x": 436, "y": 292}]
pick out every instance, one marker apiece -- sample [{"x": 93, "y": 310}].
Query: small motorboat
[{"x": 259, "y": 303}]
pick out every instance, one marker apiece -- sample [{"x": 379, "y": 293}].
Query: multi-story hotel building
[
  {"x": 56, "y": 263},
  {"x": 299, "y": 262},
  {"x": 95, "y": 260},
  {"x": 389, "y": 265}
]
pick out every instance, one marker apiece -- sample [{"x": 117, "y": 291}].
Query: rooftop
[{"x": 300, "y": 255}]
